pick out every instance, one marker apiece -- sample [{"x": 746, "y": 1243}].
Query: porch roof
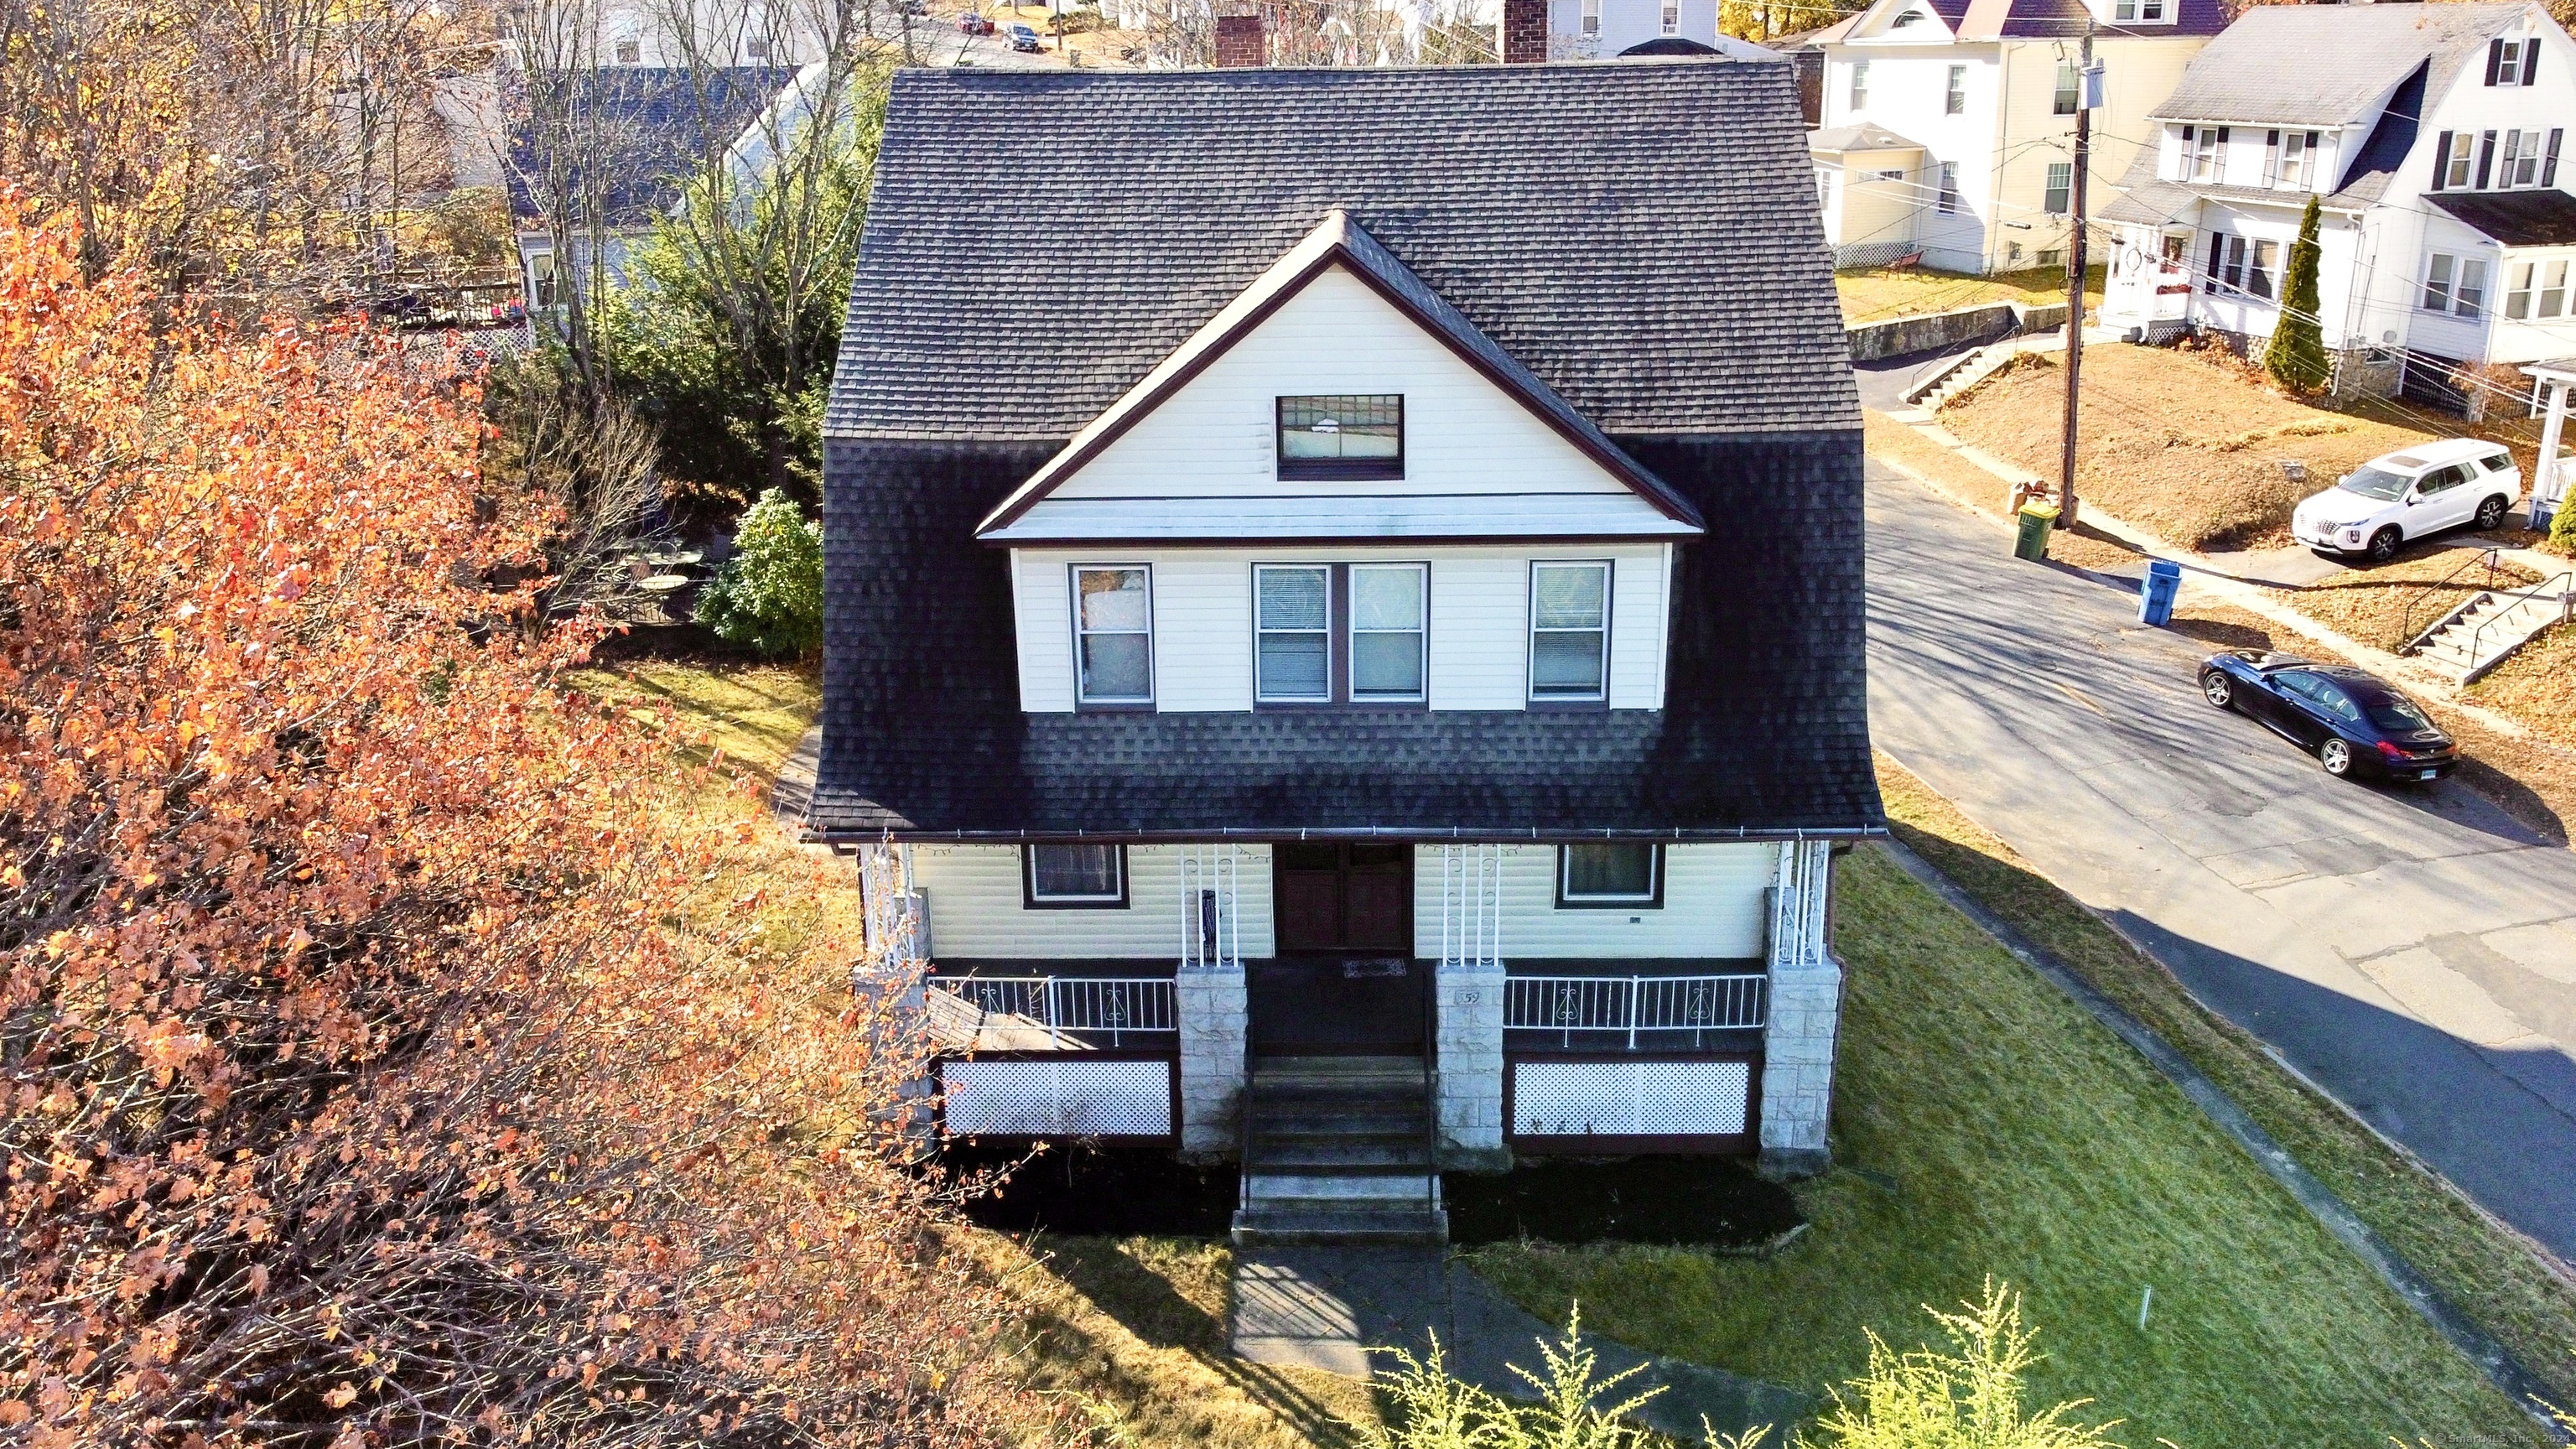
[{"x": 2515, "y": 218}]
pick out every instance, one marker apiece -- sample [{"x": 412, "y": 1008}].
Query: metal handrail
[
  {"x": 1118, "y": 1005},
  {"x": 1633, "y": 1004},
  {"x": 1431, "y": 1102},
  {"x": 2493, "y": 561},
  {"x": 2558, "y": 585}
]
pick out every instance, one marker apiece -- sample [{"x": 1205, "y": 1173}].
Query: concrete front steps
[
  {"x": 2486, "y": 631},
  {"x": 1338, "y": 1150}
]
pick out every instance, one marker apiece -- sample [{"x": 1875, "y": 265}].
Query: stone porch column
[
  {"x": 1805, "y": 1017},
  {"x": 1212, "y": 1011},
  {"x": 1468, "y": 1015}
]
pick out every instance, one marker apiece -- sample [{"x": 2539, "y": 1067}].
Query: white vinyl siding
[
  {"x": 1713, "y": 897},
  {"x": 1479, "y": 626},
  {"x": 976, "y": 910},
  {"x": 1216, "y": 436}
]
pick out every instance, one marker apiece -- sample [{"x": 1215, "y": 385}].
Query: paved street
[{"x": 2414, "y": 952}]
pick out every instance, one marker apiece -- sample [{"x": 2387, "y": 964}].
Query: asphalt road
[{"x": 2412, "y": 950}]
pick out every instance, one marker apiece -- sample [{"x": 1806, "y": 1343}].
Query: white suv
[{"x": 2408, "y": 495}]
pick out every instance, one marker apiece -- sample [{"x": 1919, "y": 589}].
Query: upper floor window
[
  {"x": 2455, "y": 160},
  {"x": 1910, "y": 17},
  {"x": 2204, "y": 153},
  {"x": 1610, "y": 874},
  {"x": 1113, "y": 627},
  {"x": 756, "y": 49},
  {"x": 2536, "y": 289},
  {"x": 1357, "y": 436},
  {"x": 630, "y": 52},
  {"x": 2139, "y": 12},
  {"x": 1075, "y": 876},
  {"x": 1954, "y": 101},
  {"x": 1859, "y": 84},
  {"x": 1569, "y": 632},
  {"x": 1340, "y": 633},
  {"x": 1672, "y": 17},
  {"x": 1592, "y": 17},
  {"x": 2293, "y": 158},
  {"x": 2070, "y": 88},
  {"x": 2061, "y": 185},
  {"x": 2528, "y": 158},
  {"x": 2512, "y": 61}
]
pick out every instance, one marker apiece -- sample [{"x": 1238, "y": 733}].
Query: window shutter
[
  {"x": 2486, "y": 158},
  {"x": 2217, "y": 251},
  {"x": 2530, "y": 58},
  {"x": 2549, "y": 158},
  {"x": 2441, "y": 160},
  {"x": 2495, "y": 59}
]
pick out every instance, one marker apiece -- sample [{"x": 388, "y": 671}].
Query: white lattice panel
[
  {"x": 1058, "y": 1098},
  {"x": 1630, "y": 1099}
]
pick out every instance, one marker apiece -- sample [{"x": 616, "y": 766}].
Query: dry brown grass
[
  {"x": 1891, "y": 441},
  {"x": 2386, "y": 606},
  {"x": 1879, "y": 294},
  {"x": 2537, "y": 687},
  {"x": 2173, "y": 442}
]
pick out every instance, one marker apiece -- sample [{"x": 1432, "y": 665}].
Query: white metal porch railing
[
  {"x": 1120, "y": 1006},
  {"x": 1211, "y": 924},
  {"x": 1471, "y": 907},
  {"x": 1629, "y": 1005}
]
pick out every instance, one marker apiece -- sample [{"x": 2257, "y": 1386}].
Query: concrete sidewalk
[{"x": 1336, "y": 1309}]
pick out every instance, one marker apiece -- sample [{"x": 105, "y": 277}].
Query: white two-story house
[
  {"x": 1948, "y": 125},
  {"x": 1374, "y": 686},
  {"x": 2430, "y": 135}
]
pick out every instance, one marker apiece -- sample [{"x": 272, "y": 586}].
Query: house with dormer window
[
  {"x": 1947, "y": 127},
  {"x": 2431, "y": 137},
  {"x": 1372, "y": 683}
]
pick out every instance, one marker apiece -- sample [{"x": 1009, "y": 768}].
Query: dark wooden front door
[
  {"x": 1345, "y": 980},
  {"x": 1344, "y": 898}
]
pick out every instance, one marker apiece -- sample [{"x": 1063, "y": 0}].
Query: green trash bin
[{"x": 2037, "y": 519}]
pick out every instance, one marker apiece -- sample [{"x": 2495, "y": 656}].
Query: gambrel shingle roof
[{"x": 1619, "y": 228}]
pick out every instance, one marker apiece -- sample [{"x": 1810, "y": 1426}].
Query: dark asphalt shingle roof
[
  {"x": 635, "y": 133},
  {"x": 2515, "y": 218},
  {"x": 1643, "y": 236}
]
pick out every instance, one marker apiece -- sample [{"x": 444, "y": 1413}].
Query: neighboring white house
[
  {"x": 2431, "y": 135},
  {"x": 1948, "y": 125}
]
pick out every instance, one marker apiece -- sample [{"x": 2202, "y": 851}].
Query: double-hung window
[
  {"x": 2553, "y": 288},
  {"x": 2135, "y": 12},
  {"x": 2070, "y": 88},
  {"x": 2529, "y": 158},
  {"x": 1592, "y": 17},
  {"x": 1945, "y": 195},
  {"x": 2513, "y": 61},
  {"x": 2518, "y": 277},
  {"x": 2456, "y": 285},
  {"x": 1955, "y": 101},
  {"x": 1340, "y": 633},
  {"x": 2207, "y": 146},
  {"x": 2061, "y": 186},
  {"x": 1343, "y": 436},
  {"x": 1610, "y": 875},
  {"x": 1672, "y": 17},
  {"x": 1113, "y": 634},
  {"x": 1569, "y": 633},
  {"x": 1859, "y": 84},
  {"x": 2455, "y": 161},
  {"x": 2294, "y": 155},
  {"x": 1079, "y": 876}
]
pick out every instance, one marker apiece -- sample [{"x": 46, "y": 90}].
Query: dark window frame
[
  {"x": 1030, "y": 899},
  {"x": 1355, "y": 470},
  {"x": 1651, "y": 901}
]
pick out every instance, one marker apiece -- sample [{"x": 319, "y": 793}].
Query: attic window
[
  {"x": 1908, "y": 18},
  {"x": 1350, "y": 436}
]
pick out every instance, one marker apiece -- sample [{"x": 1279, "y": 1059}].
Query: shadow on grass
[
  {"x": 1712, "y": 1202},
  {"x": 1083, "y": 1188}
]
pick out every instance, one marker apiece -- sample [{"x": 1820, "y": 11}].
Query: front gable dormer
[{"x": 1339, "y": 397}]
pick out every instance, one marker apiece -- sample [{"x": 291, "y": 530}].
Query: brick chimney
[
  {"x": 1524, "y": 32},
  {"x": 1242, "y": 40}
]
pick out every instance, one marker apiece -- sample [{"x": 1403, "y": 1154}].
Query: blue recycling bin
[{"x": 2156, "y": 592}]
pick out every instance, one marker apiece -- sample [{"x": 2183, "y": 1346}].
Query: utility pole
[{"x": 2088, "y": 90}]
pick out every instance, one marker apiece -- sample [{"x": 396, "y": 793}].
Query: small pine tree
[
  {"x": 2562, "y": 526},
  {"x": 769, "y": 595},
  {"x": 2297, "y": 357}
]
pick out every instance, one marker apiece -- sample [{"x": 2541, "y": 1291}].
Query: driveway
[{"x": 2412, "y": 951}]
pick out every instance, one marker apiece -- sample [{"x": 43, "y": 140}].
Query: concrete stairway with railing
[
  {"x": 1338, "y": 1150},
  {"x": 2485, "y": 631}
]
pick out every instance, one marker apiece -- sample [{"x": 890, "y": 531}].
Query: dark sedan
[
  {"x": 1023, "y": 38},
  {"x": 2351, "y": 721}
]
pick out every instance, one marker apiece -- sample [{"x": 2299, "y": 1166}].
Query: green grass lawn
[
  {"x": 1987, "y": 1126},
  {"x": 753, "y": 713},
  {"x": 1877, "y": 294}
]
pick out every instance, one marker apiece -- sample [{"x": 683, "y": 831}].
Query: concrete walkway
[{"x": 1333, "y": 1308}]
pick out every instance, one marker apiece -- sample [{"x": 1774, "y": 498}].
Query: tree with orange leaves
[{"x": 379, "y": 1070}]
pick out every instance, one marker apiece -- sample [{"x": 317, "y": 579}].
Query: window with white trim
[
  {"x": 2070, "y": 89},
  {"x": 2293, "y": 159},
  {"x": 1389, "y": 627},
  {"x": 1610, "y": 874},
  {"x": 2553, "y": 288},
  {"x": 2141, "y": 12},
  {"x": 2455, "y": 168},
  {"x": 1113, "y": 634},
  {"x": 1074, "y": 875},
  {"x": 1592, "y": 17},
  {"x": 2057, "y": 200},
  {"x": 1672, "y": 17},
  {"x": 2206, "y": 146},
  {"x": 1292, "y": 625},
  {"x": 1954, "y": 102},
  {"x": 1945, "y": 195},
  {"x": 1859, "y": 84},
  {"x": 2453, "y": 284},
  {"x": 1569, "y": 632}
]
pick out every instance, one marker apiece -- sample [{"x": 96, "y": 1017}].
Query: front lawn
[
  {"x": 1880, "y": 294},
  {"x": 1986, "y": 1126}
]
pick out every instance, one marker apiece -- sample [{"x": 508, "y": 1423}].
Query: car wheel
[
  {"x": 2218, "y": 689},
  {"x": 2490, "y": 514},
  {"x": 2383, "y": 544},
  {"x": 2336, "y": 756}
]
